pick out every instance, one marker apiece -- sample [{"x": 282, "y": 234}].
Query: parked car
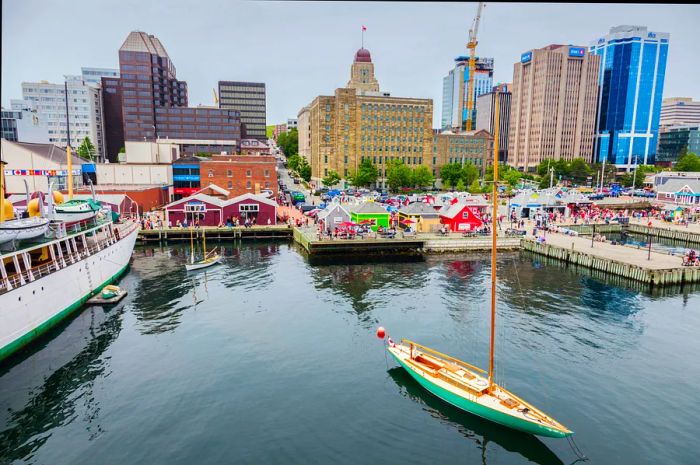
[{"x": 305, "y": 207}]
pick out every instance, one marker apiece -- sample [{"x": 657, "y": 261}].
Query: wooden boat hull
[
  {"x": 203, "y": 264},
  {"x": 478, "y": 409}
]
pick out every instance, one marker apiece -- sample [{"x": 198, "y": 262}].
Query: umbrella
[
  {"x": 347, "y": 224},
  {"x": 366, "y": 222},
  {"x": 407, "y": 222}
]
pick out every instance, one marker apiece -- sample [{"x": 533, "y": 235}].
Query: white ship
[{"x": 43, "y": 283}]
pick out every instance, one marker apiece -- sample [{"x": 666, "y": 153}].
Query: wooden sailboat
[
  {"x": 466, "y": 386},
  {"x": 211, "y": 258}
]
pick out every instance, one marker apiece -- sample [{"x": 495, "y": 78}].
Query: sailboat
[
  {"x": 211, "y": 258},
  {"x": 466, "y": 386}
]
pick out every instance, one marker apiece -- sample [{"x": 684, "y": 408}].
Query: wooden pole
[{"x": 493, "y": 238}]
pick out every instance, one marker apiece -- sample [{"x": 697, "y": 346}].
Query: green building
[
  {"x": 673, "y": 140},
  {"x": 370, "y": 211}
]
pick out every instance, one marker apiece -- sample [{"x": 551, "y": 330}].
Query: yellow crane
[
  {"x": 471, "y": 46},
  {"x": 216, "y": 98}
]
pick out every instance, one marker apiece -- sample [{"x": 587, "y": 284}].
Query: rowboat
[{"x": 466, "y": 386}]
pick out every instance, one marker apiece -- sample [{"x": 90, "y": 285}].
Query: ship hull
[
  {"x": 477, "y": 409},
  {"x": 28, "y": 311}
]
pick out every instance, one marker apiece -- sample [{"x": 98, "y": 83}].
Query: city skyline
[{"x": 287, "y": 47}]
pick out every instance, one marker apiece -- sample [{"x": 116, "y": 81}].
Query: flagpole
[{"x": 363, "y": 37}]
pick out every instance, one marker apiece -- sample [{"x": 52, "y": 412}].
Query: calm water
[{"x": 269, "y": 359}]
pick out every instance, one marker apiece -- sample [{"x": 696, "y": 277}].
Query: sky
[{"x": 304, "y": 49}]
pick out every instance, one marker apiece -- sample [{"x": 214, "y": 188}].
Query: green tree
[
  {"x": 469, "y": 173},
  {"x": 422, "y": 177},
  {"x": 87, "y": 150},
  {"x": 450, "y": 173},
  {"x": 288, "y": 142},
  {"x": 398, "y": 175},
  {"x": 304, "y": 169},
  {"x": 294, "y": 161},
  {"x": 475, "y": 187},
  {"x": 512, "y": 177},
  {"x": 122, "y": 150},
  {"x": 204, "y": 154},
  {"x": 579, "y": 170},
  {"x": 332, "y": 179},
  {"x": 365, "y": 175},
  {"x": 460, "y": 185},
  {"x": 688, "y": 162}
]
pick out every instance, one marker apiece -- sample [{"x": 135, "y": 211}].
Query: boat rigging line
[{"x": 577, "y": 451}]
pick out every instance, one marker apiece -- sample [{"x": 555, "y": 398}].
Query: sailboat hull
[
  {"x": 478, "y": 409},
  {"x": 203, "y": 264}
]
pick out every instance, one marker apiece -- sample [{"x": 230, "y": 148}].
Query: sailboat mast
[
  {"x": 191, "y": 246},
  {"x": 69, "y": 156},
  {"x": 204, "y": 241},
  {"x": 494, "y": 222}
]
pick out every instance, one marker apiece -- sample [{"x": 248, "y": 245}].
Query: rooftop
[{"x": 138, "y": 41}]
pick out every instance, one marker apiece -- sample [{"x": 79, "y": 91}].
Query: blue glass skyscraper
[{"x": 631, "y": 82}]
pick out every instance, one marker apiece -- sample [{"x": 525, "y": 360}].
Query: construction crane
[
  {"x": 471, "y": 46},
  {"x": 216, "y": 99}
]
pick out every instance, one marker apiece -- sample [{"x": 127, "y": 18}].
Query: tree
[
  {"x": 460, "y": 185},
  {"x": 288, "y": 142},
  {"x": 469, "y": 174},
  {"x": 450, "y": 173},
  {"x": 293, "y": 162},
  {"x": 512, "y": 177},
  {"x": 304, "y": 169},
  {"x": 475, "y": 187},
  {"x": 398, "y": 175},
  {"x": 422, "y": 177},
  {"x": 204, "y": 154},
  {"x": 122, "y": 150},
  {"x": 688, "y": 162},
  {"x": 87, "y": 149},
  {"x": 332, "y": 179},
  {"x": 365, "y": 175},
  {"x": 579, "y": 170}
]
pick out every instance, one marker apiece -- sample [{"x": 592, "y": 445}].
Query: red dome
[{"x": 363, "y": 56}]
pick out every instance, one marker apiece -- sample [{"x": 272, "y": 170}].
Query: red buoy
[{"x": 380, "y": 332}]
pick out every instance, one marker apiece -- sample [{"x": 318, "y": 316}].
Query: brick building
[
  {"x": 240, "y": 174},
  {"x": 255, "y": 147},
  {"x": 475, "y": 147}
]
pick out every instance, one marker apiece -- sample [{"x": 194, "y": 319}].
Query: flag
[{"x": 364, "y": 28}]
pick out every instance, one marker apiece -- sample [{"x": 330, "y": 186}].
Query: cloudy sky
[{"x": 303, "y": 49}]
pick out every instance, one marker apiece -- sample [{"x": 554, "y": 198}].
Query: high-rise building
[
  {"x": 24, "y": 125},
  {"x": 147, "y": 102},
  {"x": 552, "y": 106},
  {"x": 94, "y": 75},
  {"x": 473, "y": 147},
  {"x": 361, "y": 122},
  {"x": 676, "y": 140},
  {"x": 631, "y": 80},
  {"x": 486, "y": 116},
  {"x": 292, "y": 123},
  {"x": 679, "y": 110},
  {"x": 249, "y": 99},
  {"x": 454, "y": 91},
  {"x": 85, "y": 114}
]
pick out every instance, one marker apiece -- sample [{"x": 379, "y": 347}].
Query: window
[
  {"x": 248, "y": 174},
  {"x": 230, "y": 184},
  {"x": 229, "y": 174},
  {"x": 248, "y": 185},
  {"x": 211, "y": 173},
  {"x": 195, "y": 207},
  {"x": 267, "y": 173}
]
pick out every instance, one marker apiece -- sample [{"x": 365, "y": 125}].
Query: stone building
[{"x": 361, "y": 122}]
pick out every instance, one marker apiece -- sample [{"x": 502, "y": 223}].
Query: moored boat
[
  {"x": 23, "y": 229},
  {"x": 74, "y": 211}
]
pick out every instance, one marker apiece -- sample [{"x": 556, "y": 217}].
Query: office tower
[
  {"x": 486, "y": 116},
  {"x": 249, "y": 99}
]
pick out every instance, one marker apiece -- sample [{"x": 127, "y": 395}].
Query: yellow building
[{"x": 359, "y": 121}]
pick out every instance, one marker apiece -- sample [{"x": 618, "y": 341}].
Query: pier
[
  {"x": 148, "y": 236},
  {"x": 687, "y": 234},
  {"x": 653, "y": 268}
]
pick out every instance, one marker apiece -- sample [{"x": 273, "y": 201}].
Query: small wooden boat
[
  {"x": 110, "y": 295},
  {"x": 210, "y": 259},
  {"x": 110, "y": 291}
]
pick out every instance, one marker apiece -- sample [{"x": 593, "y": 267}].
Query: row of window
[
  {"x": 56, "y": 90},
  {"x": 229, "y": 173},
  {"x": 405, "y": 119},
  {"x": 391, "y": 148}
]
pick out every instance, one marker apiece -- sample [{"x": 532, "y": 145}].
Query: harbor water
[{"x": 270, "y": 359}]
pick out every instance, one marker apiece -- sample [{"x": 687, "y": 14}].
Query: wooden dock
[
  {"x": 214, "y": 234},
  {"x": 671, "y": 232},
  {"x": 661, "y": 270}
]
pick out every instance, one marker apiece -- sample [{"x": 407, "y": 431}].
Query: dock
[
  {"x": 420, "y": 243},
  {"x": 214, "y": 234},
  {"x": 660, "y": 269},
  {"x": 658, "y": 230}
]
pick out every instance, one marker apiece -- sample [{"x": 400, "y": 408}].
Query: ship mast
[
  {"x": 494, "y": 222},
  {"x": 69, "y": 156}
]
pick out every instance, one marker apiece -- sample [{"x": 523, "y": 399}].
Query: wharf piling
[{"x": 147, "y": 236}]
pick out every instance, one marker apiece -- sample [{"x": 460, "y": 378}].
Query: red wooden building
[
  {"x": 460, "y": 217},
  {"x": 213, "y": 211}
]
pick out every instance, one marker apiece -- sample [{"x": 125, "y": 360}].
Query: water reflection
[
  {"x": 472, "y": 427},
  {"x": 55, "y": 403}
]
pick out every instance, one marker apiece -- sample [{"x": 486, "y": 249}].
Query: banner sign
[{"x": 77, "y": 172}]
